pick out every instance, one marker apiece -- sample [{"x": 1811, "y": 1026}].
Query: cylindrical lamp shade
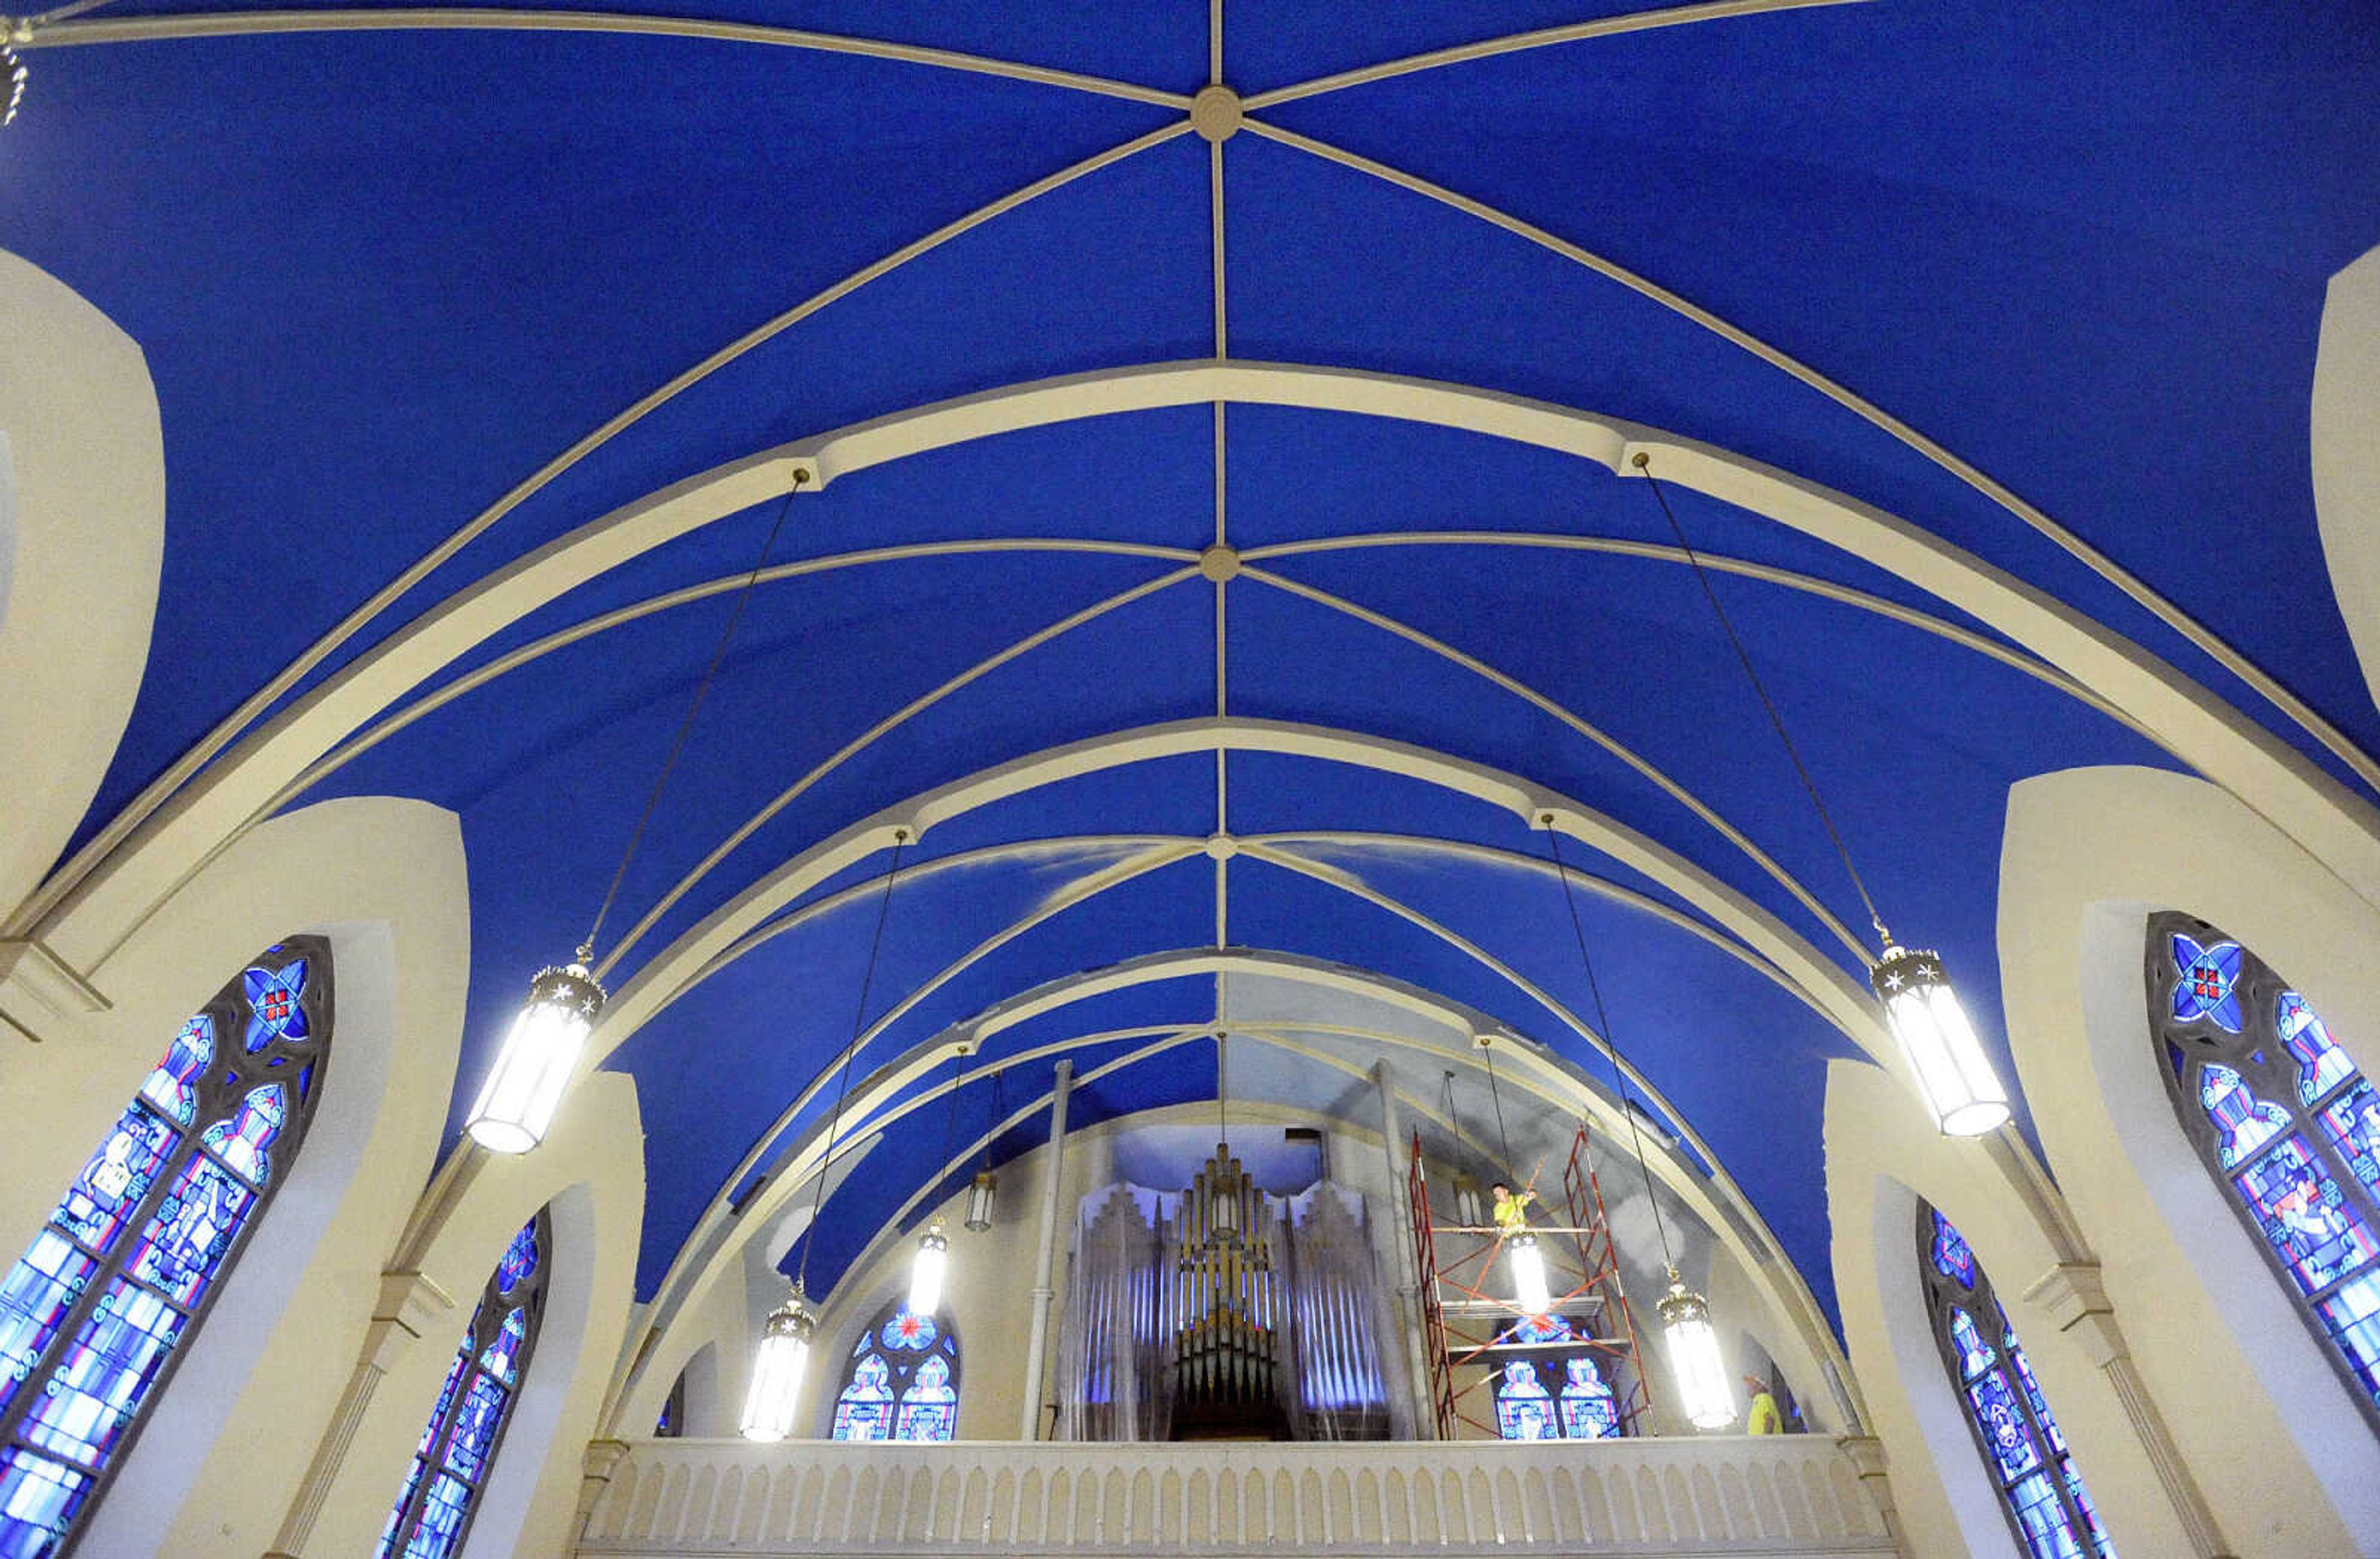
[
  {"x": 926, "y": 1275},
  {"x": 1695, "y": 1358},
  {"x": 777, "y": 1371},
  {"x": 1924, "y": 1011},
  {"x": 978, "y": 1207},
  {"x": 517, "y": 1102},
  {"x": 1529, "y": 1291}
]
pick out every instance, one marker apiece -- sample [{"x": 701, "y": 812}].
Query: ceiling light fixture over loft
[
  {"x": 1920, "y": 1006},
  {"x": 933, "y": 1258},
  {"x": 517, "y": 1104},
  {"x": 785, "y": 1351},
  {"x": 985, "y": 1187},
  {"x": 1696, "y": 1364}
]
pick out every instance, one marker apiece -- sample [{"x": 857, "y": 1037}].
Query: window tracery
[
  {"x": 94, "y": 1315},
  {"x": 2285, "y": 1122},
  {"x": 452, "y": 1459},
  {"x": 902, "y": 1380},
  {"x": 2023, "y": 1449}
]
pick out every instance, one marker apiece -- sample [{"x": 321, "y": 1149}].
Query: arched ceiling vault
[{"x": 1196, "y": 540}]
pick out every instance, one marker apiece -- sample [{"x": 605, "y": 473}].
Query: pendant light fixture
[
  {"x": 1528, "y": 1262},
  {"x": 777, "y": 1369},
  {"x": 517, "y": 1102},
  {"x": 1920, "y": 1007},
  {"x": 785, "y": 1351},
  {"x": 985, "y": 1185},
  {"x": 933, "y": 1258},
  {"x": 1691, "y": 1343},
  {"x": 1227, "y": 1188}
]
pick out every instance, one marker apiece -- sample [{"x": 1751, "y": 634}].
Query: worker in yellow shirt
[
  {"x": 1511, "y": 1212},
  {"x": 1766, "y": 1418}
]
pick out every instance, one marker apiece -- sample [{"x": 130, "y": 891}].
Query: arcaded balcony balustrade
[{"x": 1785, "y": 1496}]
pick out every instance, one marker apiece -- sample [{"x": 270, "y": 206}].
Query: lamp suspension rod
[
  {"x": 1488, "y": 1053},
  {"x": 1610, "y": 1044},
  {"x": 858, "y": 1027},
  {"x": 694, "y": 707},
  {"x": 1644, "y": 464}
]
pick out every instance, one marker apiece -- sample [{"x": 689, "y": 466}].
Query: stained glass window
[
  {"x": 1556, "y": 1388},
  {"x": 902, "y": 1380},
  {"x": 452, "y": 1459},
  {"x": 2022, "y": 1447},
  {"x": 2285, "y": 1122},
  {"x": 94, "y": 1314}
]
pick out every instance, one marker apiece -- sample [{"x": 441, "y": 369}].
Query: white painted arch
[{"x": 85, "y": 919}]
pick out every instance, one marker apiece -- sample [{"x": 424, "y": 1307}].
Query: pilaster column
[
  {"x": 1408, "y": 1261},
  {"x": 1045, "y": 1260},
  {"x": 411, "y": 1303},
  {"x": 2078, "y": 1305},
  {"x": 601, "y": 1459}
]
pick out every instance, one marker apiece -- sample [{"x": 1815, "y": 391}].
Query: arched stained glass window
[
  {"x": 94, "y": 1315},
  {"x": 2285, "y": 1122},
  {"x": 452, "y": 1459},
  {"x": 1554, "y": 1389},
  {"x": 2024, "y": 1452},
  {"x": 902, "y": 1380}
]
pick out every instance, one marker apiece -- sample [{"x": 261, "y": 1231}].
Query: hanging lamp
[
  {"x": 783, "y": 1354},
  {"x": 1689, "y": 1340},
  {"x": 517, "y": 1104},
  {"x": 1951, "y": 1067},
  {"x": 777, "y": 1369},
  {"x": 1530, "y": 1293},
  {"x": 1226, "y": 1186},
  {"x": 985, "y": 1185},
  {"x": 1694, "y": 1361},
  {"x": 932, "y": 1262}
]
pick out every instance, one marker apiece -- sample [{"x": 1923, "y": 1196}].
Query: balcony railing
[{"x": 1786, "y": 1496}]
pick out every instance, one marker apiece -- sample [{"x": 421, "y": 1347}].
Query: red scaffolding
[{"x": 1468, "y": 1327}]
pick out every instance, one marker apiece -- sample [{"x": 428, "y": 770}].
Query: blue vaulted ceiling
[{"x": 383, "y": 276}]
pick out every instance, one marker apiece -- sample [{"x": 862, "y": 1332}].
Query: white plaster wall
[
  {"x": 2344, "y": 443},
  {"x": 2283, "y": 1454},
  {"x": 1882, "y": 1154},
  {"x": 82, "y": 536}
]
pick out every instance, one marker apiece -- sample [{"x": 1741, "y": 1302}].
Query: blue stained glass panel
[
  {"x": 244, "y": 1140},
  {"x": 274, "y": 1010},
  {"x": 475, "y": 1429},
  {"x": 1589, "y": 1410},
  {"x": 1524, "y": 1411},
  {"x": 2352, "y": 1316},
  {"x": 191, "y": 1231},
  {"x": 100, "y": 1379},
  {"x": 865, "y": 1409},
  {"x": 2322, "y": 1066},
  {"x": 1974, "y": 1354},
  {"x": 2090, "y": 1527},
  {"x": 2301, "y": 1212},
  {"x": 2004, "y": 1428},
  {"x": 404, "y": 1497},
  {"x": 1538, "y": 1329},
  {"x": 173, "y": 1086},
  {"x": 519, "y": 1260},
  {"x": 2040, "y": 1404},
  {"x": 2353, "y": 1122},
  {"x": 33, "y": 1303},
  {"x": 105, "y": 1196},
  {"x": 930, "y": 1408},
  {"x": 1951, "y": 1257},
  {"x": 446, "y": 1392},
  {"x": 503, "y": 1355},
  {"x": 38, "y": 1501},
  {"x": 908, "y": 1333},
  {"x": 441, "y": 1528},
  {"x": 2208, "y": 975},
  {"x": 2046, "y": 1530},
  {"x": 2247, "y": 1122}
]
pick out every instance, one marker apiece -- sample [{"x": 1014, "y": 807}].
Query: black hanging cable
[
  {"x": 1610, "y": 1044},
  {"x": 842, "y": 1086},
  {"x": 992, "y": 1126},
  {"x": 1644, "y": 463},
  {"x": 950, "y": 1111},
  {"x": 1488, "y": 1053},
  {"x": 694, "y": 706}
]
